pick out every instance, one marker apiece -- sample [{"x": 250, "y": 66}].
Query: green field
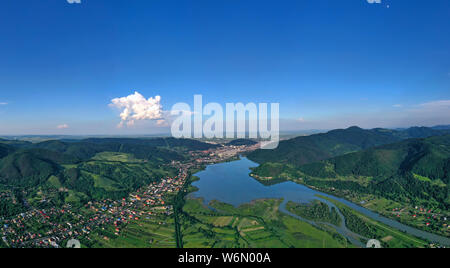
[
  {"x": 116, "y": 157},
  {"x": 157, "y": 232},
  {"x": 255, "y": 225},
  {"x": 372, "y": 229}
]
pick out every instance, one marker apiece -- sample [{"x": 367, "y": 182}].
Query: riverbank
[{"x": 231, "y": 184}]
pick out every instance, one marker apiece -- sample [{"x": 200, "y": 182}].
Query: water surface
[{"x": 230, "y": 183}]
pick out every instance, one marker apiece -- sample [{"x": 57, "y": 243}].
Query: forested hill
[
  {"x": 313, "y": 148},
  {"x": 85, "y": 150},
  {"x": 419, "y": 168},
  {"x": 32, "y": 167},
  {"x": 5, "y": 150},
  {"x": 429, "y": 158},
  {"x": 15, "y": 143},
  {"x": 172, "y": 143},
  {"x": 90, "y": 168}
]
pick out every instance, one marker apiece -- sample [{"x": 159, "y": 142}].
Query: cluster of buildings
[
  {"x": 430, "y": 218},
  {"x": 44, "y": 227},
  {"x": 54, "y": 226},
  {"x": 222, "y": 153},
  {"x": 50, "y": 227}
]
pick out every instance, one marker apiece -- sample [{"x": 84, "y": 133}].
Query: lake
[{"x": 231, "y": 183}]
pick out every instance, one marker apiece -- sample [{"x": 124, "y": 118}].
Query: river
[{"x": 231, "y": 183}]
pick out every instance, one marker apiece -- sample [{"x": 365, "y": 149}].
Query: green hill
[
  {"x": 15, "y": 143},
  {"x": 309, "y": 149},
  {"x": 5, "y": 150},
  {"x": 428, "y": 157},
  {"x": 86, "y": 150},
  {"x": 313, "y": 148},
  {"x": 76, "y": 171},
  {"x": 31, "y": 167},
  {"x": 416, "y": 169}
]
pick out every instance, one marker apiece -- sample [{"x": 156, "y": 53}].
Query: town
[{"x": 53, "y": 227}]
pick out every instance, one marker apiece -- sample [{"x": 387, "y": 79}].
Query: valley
[{"x": 165, "y": 192}]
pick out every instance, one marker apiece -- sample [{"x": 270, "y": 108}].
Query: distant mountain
[
  {"x": 188, "y": 144},
  {"x": 310, "y": 149},
  {"x": 442, "y": 127},
  {"x": 240, "y": 142},
  {"x": 417, "y": 132},
  {"x": 16, "y": 143}
]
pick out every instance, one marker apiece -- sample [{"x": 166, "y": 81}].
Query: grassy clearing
[
  {"x": 421, "y": 178},
  {"x": 54, "y": 182},
  {"x": 116, "y": 157}
]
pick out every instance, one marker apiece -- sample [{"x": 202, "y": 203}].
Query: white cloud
[
  {"x": 3, "y": 103},
  {"x": 436, "y": 104},
  {"x": 301, "y": 120},
  {"x": 62, "y": 126},
  {"x": 162, "y": 123},
  {"x": 136, "y": 108},
  {"x": 374, "y": 1},
  {"x": 401, "y": 115},
  {"x": 74, "y": 1}
]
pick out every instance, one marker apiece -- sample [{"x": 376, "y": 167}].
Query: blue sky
[{"x": 328, "y": 63}]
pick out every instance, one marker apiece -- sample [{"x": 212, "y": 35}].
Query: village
[
  {"x": 50, "y": 227},
  {"x": 53, "y": 227},
  {"x": 429, "y": 218}
]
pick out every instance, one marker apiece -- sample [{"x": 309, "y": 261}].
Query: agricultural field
[
  {"x": 157, "y": 232},
  {"x": 258, "y": 224}
]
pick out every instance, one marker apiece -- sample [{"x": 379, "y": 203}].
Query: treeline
[
  {"x": 315, "y": 211},
  {"x": 357, "y": 225},
  {"x": 8, "y": 208}
]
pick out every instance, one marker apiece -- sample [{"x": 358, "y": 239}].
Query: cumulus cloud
[
  {"x": 374, "y": 1},
  {"x": 74, "y": 1},
  {"x": 136, "y": 107},
  {"x": 62, "y": 126}
]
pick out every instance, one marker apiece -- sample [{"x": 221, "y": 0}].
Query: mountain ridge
[{"x": 309, "y": 149}]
